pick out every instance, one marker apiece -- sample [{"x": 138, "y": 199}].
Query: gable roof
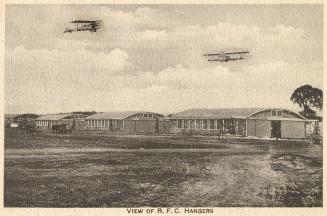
[
  {"x": 112, "y": 115},
  {"x": 216, "y": 113},
  {"x": 53, "y": 117}
]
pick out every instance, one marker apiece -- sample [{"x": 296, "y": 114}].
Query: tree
[{"x": 307, "y": 98}]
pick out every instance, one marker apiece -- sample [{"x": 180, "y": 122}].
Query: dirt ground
[{"x": 53, "y": 171}]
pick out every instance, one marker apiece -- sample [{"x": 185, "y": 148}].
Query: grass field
[{"x": 134, "y": 171}]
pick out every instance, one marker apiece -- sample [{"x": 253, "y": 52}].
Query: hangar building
[
  {"x": 129, "y": 122},
  {"x": 20, "y": 120},
  {"x": 258, "y": 122},
  {"x": 46, "y": 122}
]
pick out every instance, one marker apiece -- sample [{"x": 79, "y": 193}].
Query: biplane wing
[
  {"x": 86, "y": 21},
  {"x": 236, "y": 53},
  {"x": 84, "y": 25},
  {"x": 226, "y": 56}
]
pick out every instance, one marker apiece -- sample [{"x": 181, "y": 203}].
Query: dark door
[{"x": 275, "y": 129}]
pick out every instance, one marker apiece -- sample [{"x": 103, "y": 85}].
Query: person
[{"x": 277, "y": 135}]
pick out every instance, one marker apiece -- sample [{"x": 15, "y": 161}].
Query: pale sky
[{"x": 149, "y": 57}]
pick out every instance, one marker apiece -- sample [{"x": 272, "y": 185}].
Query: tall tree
[{"x": 307, "y": 98}]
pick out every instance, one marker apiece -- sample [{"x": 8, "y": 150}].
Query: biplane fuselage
[
  {"x": 226, "y": 57},
  {"x": 84, "y": 25}
]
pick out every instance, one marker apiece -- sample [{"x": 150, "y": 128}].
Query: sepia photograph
[{"x": 193, "y": 106}]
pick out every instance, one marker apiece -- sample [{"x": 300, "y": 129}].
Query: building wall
[
  {"x": 46, "y": 125},
  {"x": 293, "y": 129},
  {"x": 263, "y": 128},
  {"x": 209, "y": 126},
  {"x": 8, "y": 121},
  {"x": 258, "y": 128},
  {"x": 141, "y": 126},
  {"x": 251, "y": 127},
  {"x": 165, "y": 127},
  {"x": 79, "y": 124},
  {"x": 111, "y": 125}
]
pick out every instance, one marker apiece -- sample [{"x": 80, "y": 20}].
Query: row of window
[
  {"x": 200, "y": 124},
  {"x": 41, "y": 123},
  {"x": 277, "y": 113},
  {"x": 102, "y": 123},
  {"x": 145, "y": 115}
]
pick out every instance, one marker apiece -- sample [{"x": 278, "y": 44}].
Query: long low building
[
  {"x": 20, "y": 120},
  {"x": 129, "y": 122},
  {"x": 258, "y": 122},
  {"x": 46, "y": 122}
]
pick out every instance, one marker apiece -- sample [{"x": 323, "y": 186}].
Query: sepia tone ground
[{"x": 139, "y": 171}]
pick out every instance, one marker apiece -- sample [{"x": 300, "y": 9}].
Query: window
[
  {"x": 150, "y": 115},
  {"x": 277, "y": 113},
  {"x": 218, "y": 124},
  {"x": 185, "y": 123},
  {"x": 212, "y": 124},
  {"x": 145, "y": 115},
  {"x": 106, "y": 123},
  {"x": 20, "y": 119},
  {"x": 204, "y": 124},
  {"x": 192, "y": 124},
  {"x": 179, "y": 123},
  {"x": 197, "y": 124}
]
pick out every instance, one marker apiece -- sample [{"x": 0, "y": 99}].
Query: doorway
[{"x": 276, "y": 129}]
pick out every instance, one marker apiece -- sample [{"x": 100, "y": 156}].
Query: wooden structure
[
  {"x": 258, "y": 122},
  {"x": 46, "y": 122},
  {"x": 128, "y": 122},
  {"x": 20, "y": 120}
]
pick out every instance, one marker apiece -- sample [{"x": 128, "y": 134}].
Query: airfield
[{"x": 173, "y": 170}]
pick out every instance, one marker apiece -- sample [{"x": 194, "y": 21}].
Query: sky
[{"x": 150, "y": 57}]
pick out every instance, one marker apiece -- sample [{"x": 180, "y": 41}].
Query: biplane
[
  {"x": 84, "y": 25},
  {"x": 226, "y": 56}
]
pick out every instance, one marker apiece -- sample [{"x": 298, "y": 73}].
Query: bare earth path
[{"x": 56, "y": 172}]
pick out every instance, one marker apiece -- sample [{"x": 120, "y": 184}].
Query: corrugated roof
[
  {"x": 53, "y": 117},
  {"x": 112, "y": 115},
  {"x": 10, "y": 115},
  {"x": 216, "y": 113}
]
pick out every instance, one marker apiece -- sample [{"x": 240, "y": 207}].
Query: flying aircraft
[
  {"x": 84, "y": 25},
  {"x": 226, "y": 56}
]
